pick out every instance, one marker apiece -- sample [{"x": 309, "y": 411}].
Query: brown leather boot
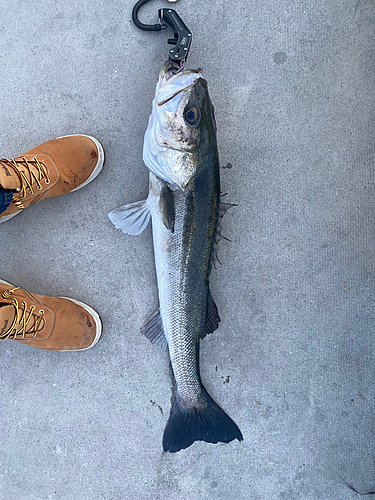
[
  {"x": 56, "y": 167},
  {"x": 53, "y": 323}
]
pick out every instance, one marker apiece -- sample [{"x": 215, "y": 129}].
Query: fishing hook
[{"x": 168, "y": 17}]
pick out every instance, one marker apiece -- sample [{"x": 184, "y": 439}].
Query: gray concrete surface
[{"x": 293, "y": 88}]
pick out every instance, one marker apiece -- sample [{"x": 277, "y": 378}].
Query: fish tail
[{"x": 206, "y": 422}]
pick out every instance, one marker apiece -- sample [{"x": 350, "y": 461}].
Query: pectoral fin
[
  {"x": 212, "y": 317},
  {"x": 131, "y": 219},
  {"x": 166, "y": 207},
  {"x": 153, "y": 329}
]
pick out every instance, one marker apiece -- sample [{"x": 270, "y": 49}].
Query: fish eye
[{"x": 192, "y": 116}]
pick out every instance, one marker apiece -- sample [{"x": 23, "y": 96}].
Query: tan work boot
[
  {"x": 56, "y": 167},
  {"x": 53, "y": 323}
]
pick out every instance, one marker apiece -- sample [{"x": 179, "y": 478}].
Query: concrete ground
[{"x": 293, "y": 359}]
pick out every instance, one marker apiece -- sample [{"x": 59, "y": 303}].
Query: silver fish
[{"x": 180, "y": 150}]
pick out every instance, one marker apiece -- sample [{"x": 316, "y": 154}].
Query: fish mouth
[
  {"x": 169, "y": 69},
  {"x": 173, "y": 80}
]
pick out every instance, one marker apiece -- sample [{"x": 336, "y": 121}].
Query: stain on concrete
[{"x": 280, "y": 57}]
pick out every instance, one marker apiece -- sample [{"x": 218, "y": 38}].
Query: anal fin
[
  {"x": 212, "y": 317},
  {"x": 153, "y": 329}
]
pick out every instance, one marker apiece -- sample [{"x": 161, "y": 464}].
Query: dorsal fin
[
  {"x": 221, "y": 211},
  {"x": 212, "y": 317}
]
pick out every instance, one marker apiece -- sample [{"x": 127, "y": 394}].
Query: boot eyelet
[
  {"x": 31, "y": 192},
  {"x": 39, "y": 188},
  {"x": 41, "y": 311}
]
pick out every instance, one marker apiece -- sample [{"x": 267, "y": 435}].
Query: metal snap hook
[
  {"x": 182, "y": 35},
  {"x": 137, "y": 22}
]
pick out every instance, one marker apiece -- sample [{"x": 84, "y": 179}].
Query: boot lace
[
  {"x": 30, "y": 172},
  {"x": 22, "y": 324}
]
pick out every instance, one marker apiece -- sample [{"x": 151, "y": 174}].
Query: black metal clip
[{"x": 182, "y": 35}]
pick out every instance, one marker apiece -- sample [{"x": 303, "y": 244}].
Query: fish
[{"x": 184, "y": 202}]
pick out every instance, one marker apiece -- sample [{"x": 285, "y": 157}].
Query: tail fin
[{"x": 186, "y": 425}]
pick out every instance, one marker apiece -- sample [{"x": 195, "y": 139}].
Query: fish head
[{"x": 181, "y": 121}]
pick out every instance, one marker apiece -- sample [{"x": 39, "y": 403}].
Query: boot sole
[
  {"x": 94, "y": 173},
  {"x": 90, "y": 310},
  {"x": 8, "y": 217}
]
